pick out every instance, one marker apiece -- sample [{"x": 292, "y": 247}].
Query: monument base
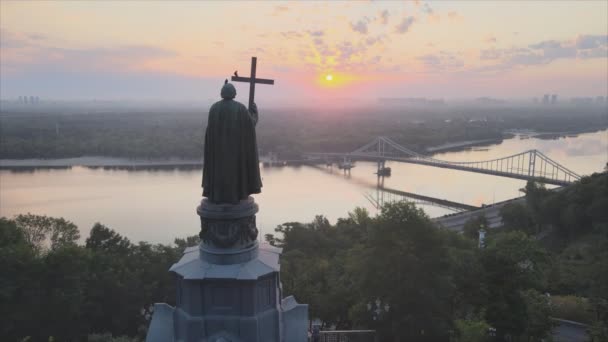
[{"x": 228, "y": 288}]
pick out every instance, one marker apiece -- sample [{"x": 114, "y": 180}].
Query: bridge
[{"x": 528, "y": 165}]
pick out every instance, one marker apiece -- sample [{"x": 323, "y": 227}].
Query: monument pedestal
[{"x": 228, "y": 287}]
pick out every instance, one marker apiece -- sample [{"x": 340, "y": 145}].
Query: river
[{"x": 158, "y": 206}]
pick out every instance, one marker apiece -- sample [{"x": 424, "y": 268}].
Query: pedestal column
[{"x": 228, "y": 287}]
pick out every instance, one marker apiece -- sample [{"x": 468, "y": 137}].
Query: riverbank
[
  {"x": 508, "y": 134},
  {"x": 457, "y": 146},
  {"x": 527, "y": 133},
  {"x": 96, "y": 161},
  {"x": 141, "y": 163}
]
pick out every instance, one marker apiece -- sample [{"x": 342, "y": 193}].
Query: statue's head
[{"x": 228, "y": 91}]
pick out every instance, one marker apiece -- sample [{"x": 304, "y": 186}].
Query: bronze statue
[{"x": 231, "y": 170}]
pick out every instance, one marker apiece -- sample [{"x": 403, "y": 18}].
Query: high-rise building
[
  {"x": 546, "y": 99},
  {"x": 554, "y": 99}
]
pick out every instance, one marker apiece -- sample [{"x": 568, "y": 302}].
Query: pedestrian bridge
[{"x": 528, "y": 165}]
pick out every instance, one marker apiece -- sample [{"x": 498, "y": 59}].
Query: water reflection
[{"x": 158, "y": 204}]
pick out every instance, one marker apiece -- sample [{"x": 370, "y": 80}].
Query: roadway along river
[{"x": 157, "y": 206}]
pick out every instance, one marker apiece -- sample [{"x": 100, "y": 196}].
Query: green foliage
[
  {"x": 572, "y": 308},
  {"x": 43, "y": 232},
  {"x": 443, "y": 278},
  {"x": 516, "y": 216},
  {"x": 70, "y": 291},
  {"x": 538, "y": 315},
  {"x": 473, "y": 225},
  {"x": 599, "y": 329},
  {"x": 435, "y": 281},
  {"x": 574, "y": 211},
  {"x": 19, "y": 286},
  {"x": 512, "y": 263},
  {"x": 405, "y": 248},
  {"x": 69, "y": 131},
  {"x": 189, "y": 241},
  {"x": 102, "y": 238},
  {"x": 471, "y": 330}
]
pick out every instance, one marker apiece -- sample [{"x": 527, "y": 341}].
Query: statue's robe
[{"x": 231, "y": 170}]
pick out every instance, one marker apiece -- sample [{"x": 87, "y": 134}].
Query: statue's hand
[{"x": 253, "y": 108}]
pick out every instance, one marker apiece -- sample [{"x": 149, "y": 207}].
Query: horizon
[{"x": 175, "y": 52}]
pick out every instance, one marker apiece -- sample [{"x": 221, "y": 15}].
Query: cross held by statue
[{"x": 251, "y": 80}]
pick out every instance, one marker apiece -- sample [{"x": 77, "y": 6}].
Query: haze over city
[{"x": 338, "y": 51}]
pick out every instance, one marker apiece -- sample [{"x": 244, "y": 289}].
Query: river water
[{"x": 158, "y": 206}]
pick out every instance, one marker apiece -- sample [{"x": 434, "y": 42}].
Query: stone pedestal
[{"x": 228, "y": 287}]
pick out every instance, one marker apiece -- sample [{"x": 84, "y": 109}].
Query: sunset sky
[{"x": 184, "y": 50}]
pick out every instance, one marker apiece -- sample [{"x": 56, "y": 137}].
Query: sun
[{"x": 329, "y": 77}]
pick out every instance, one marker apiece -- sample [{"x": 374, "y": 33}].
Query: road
[{"x": 457, "y": 221}]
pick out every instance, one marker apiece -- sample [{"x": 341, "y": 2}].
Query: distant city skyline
[{"x": 178, "y": 51}]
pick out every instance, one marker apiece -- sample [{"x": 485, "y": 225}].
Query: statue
[
  {"x": 231, "y": 170},
  {"x": 229, "y": 287}
]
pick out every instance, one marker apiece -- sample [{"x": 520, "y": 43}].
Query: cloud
[
  {"x": 291, "y": 34},
  {"x": 405, "y": 25},
  {"x": 490, "y": 39},
  {"x": 431, "y": 15},
  {"x": 318, "y": 33},
  {"x": 454, "y": 16},
  {"x": 9, "y": 39},
  {"x": 591, "y": 41},
  {"x": 552, "y": 50},
  {"x": 491, "y": 54},
  {"x": 280, "y": 10},
  {"x": 384, "y": 17},
  {"x": 441, "y": 62},
  {"x": 374, "y": 40},
  {"x": 545, "y": 52},
  {"x": 426, "y": 8},
  {"x": 26, "y": 51},
  {"x": 547, "y": 44},
  {"x": 360, "y": 26}
]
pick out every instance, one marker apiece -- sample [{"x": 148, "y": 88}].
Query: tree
[
  {"x": 404, "y": 263},
  {"x": 64, "y": 279},
  {"x": 512, "y": 263},
  {"x": 535, "y": 193},
  {"x": 471, "y": 330},
  {"x": 102, "y": 238},
  {"x": 44, "y": 232},
  {"x": 189, "y": 241},
  {"x": 473, "y": 225},
  {"x": 516, "y": 216},
  {"x": 538, "y": 315},
  {"x": 19, "y": 283}
]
